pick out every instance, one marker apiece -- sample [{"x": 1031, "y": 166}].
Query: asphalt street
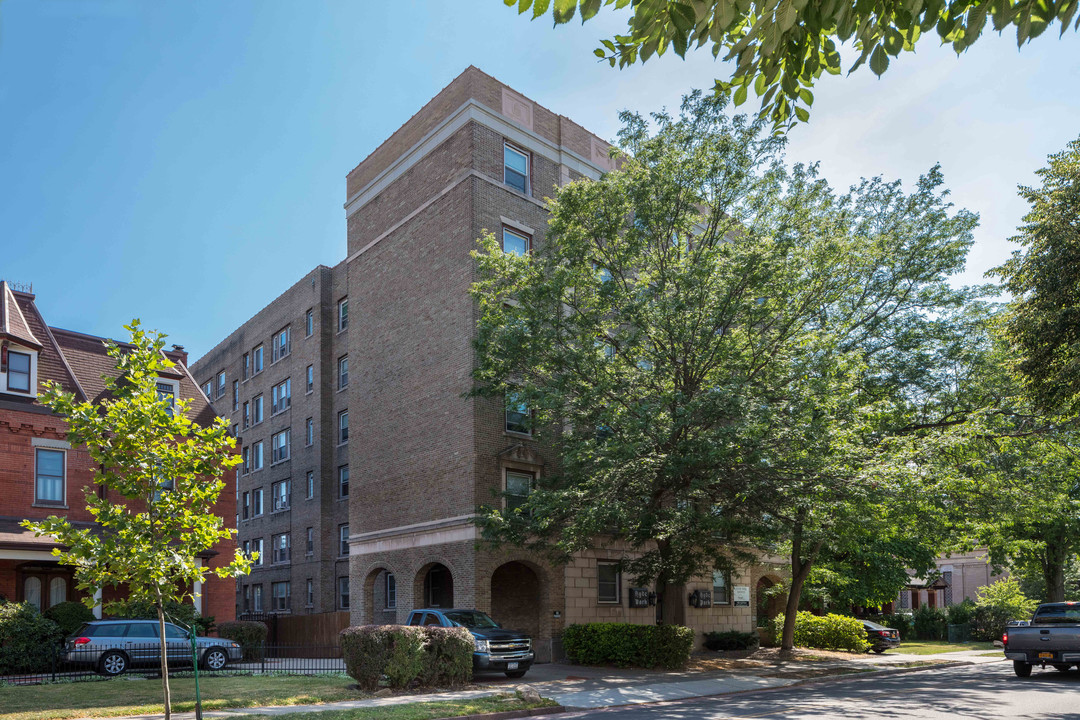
[{"x": 978, "y": 691}]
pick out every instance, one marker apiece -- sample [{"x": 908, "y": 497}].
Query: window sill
[
  {"x": 55, "y": 506},
  {"x": 280, "y": 510},
  {"x": 342, "y": 388},
  {"x": 280, "y": 462},
  {"x": 342, "y": 444},
  {"x": 609, "y": 602},
  {"x": 514, "y": 433}
]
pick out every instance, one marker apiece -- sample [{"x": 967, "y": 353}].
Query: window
[
  {"x": 343, "y": 481},
  {"x": 18, "y": 372},
  {"x": 607, "y": 582},
  {"x": 309, "y": 432},
  {"x": 256, "y": 502},
  {"x": 720, "y": 585},
  {"x": 257, "y": 362},
  {"x": 257, "y": 456},
  {"x": 280, "y": 396},
  {"x": 257, "y": 410},
  {"x": 310, "y": 593},
  {"x": 342, "y": 314},
  {"x": 208, "y": 389},
  {"x": 310, "y": 546},
  {"x": 343, "y": 536},
  {"x": 247, "y": 598},
  {"x": 515, "y": 242},
  {"x": 246, "y": 455},
  {"x": 167, "y": 391},
  {"x": 279, "y": 591},
  {"x": 343, "y": 371},
  {"x": 518, "y": 487},
  {"x": 221, "y": 384},
  {"x": 245, "y": 508},
  {"x": 256, "y": 598},
  {"x": 235, "y": 395},
  {"x": 246, "y": 363},
  {"x": 256, "y": 547},
  {"x": 235, "y": 430},
  {"x": 343, "y": 593},
  {"x": 310, "y": 378},
  {"x": 49, "y": 477},
  {"x": 282, "y": 344},
  {"x": 280, "y": 492},
  {"x": 279, "y": 446},
  {"x": 310, "y": 484},
  {"x": 280, "y": 547},
  {"x": 247, "y": 548},
  {"x": 391, "y": 591},
  {"x": 309, "y": 323},
  {"x": 343, "y": 426},
  {"x": 517, "y": 414},
  {"x": 515, "y": 168},
  {"x": 247, "y": 414}
]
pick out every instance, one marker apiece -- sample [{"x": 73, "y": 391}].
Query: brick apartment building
[
  {"x": 478, "y": 157},
  {"x": 41, "y": 474},
  {"x": 282, "y": 380}
]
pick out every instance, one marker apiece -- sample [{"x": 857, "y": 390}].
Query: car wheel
[
  {"x": 516, "y": 674},
  {"x": 113, "y": 663},
  {"x": 1062, "y": 667},
  {"x": 214, "y": 659},
  {"x": 1021, "y": 668}
]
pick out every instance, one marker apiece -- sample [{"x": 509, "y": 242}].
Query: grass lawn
[
  {"x": 136, "y": 697},
  {"x": 933, "y": 647},
  {"x": 416, "y": 711}
]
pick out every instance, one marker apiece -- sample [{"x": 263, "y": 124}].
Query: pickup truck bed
[{"x": 1051, "y": 638}]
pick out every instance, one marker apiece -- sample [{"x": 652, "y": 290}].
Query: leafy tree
[
  {"x": 715, "y": 345},
  {"x": 1043, "y": 324},
  {"x": 781, "y": 47},
  {"x": 162, "y": 473}
]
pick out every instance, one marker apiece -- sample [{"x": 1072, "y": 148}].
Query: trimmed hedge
[
  {"x": 28, "y": 640},
  {"x": 70, "y": 616},
  {"x": 930, "y": 623},
  {"x": 626, "y": 645},
  {"x": 731, "y": 640},
  {"x": 250, "y": 634},
  {"x": 828, "y": 632},
  {"x": 407, "y": 655}
]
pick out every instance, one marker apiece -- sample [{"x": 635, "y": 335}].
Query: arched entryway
[
  {"x": 769, "y": 604},
  {"x": 516, "y": 600},
  {"x": 380, "y": 597},
  {"x": 435, "y": 586}
]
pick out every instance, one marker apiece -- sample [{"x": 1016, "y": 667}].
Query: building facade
[
  {"x": 42, "y": 474},
  {"x": 282, "y": 381},
  {"x": 479, "y": 157}
]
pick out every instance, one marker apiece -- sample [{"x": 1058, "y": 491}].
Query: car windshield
[
  {"x": 471, "y": 619},
  {"x": 1069, "y": 613}
]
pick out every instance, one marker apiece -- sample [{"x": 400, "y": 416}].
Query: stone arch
[
  {"x": 767, "y": 607},
  {"x": 519, "y": 596},
  {"x": 433, "y": 584},
  {"x": 376, "y": 606}
]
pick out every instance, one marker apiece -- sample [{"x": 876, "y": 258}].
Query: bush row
[
  {"x": 626, "y": 645},
  {"x": 406, "y": 655},
  {"x": 827, "y": 632}
]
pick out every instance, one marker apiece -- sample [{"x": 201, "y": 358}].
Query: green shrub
[
  {"x": 429, "y": 656},
  {"x": 626, "y": 645},
  {"x": 903, "y": 623},
  {"x": 997, "y": 604},
  {"x": 731, "y": 640},
  {"x": 829, "y": 632},
  {"x": 961, "y": 613},
  {"x": 28, "y": 640},
  {"x": 250, "y": 634},
  {"x": 179, "y": 613},
  {"x": 70, "y": 616},
  {"x": 930, "y": 623}
]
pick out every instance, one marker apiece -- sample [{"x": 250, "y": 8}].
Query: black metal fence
[{"x": 102, "y": 662}]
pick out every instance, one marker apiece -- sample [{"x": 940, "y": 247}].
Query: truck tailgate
[{"x": 1044, "y": 639}]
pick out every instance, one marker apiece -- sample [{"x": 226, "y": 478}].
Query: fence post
[{"x": 52, "y": 664}]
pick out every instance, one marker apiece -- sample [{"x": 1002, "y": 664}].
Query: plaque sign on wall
[
  {"x": 740, "y": 596},
  {"x": 639, "y": 597}
]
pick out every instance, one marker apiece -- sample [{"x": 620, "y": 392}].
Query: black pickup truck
[
  {"x": 497, "y": 650},
  {"x": 1051, "y": 638}
]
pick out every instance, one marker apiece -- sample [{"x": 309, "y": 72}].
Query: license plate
[
  {"x": 511, "y": 666},
  {"x": 1046, "y": 655}
]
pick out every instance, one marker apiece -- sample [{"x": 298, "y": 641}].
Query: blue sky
[{"x": 184, "y": 162}]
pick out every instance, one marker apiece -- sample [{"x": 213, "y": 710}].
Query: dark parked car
[
  {"x": 497, "y": 650},
  {"x": 1051, "y": 637},
  {"x": 881, "y": 638},
  {"x": 113, "y": 646}
]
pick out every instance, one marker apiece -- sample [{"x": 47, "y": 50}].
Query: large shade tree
[
  {"x": 162, "y": 474},
  {"x": 716, "y": 346}
]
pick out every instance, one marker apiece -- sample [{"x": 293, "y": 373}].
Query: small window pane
[
  {"x": 515, "y": 243},
  {"x": 18, "y": 372},
  {"x": 518, "y": 487},
  {"x": 515, "y": 169},
  {"x": 50, "y": 476},
  {"x": 607, "y": 582}
]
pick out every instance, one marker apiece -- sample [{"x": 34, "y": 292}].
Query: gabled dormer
[{"x": 19, "y": 349}]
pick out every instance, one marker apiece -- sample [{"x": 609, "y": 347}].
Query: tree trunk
[
  {"x": 800, "y": 570},
  {"x": 164, "y": 656},
  {"x": 1054, "y": 570}
]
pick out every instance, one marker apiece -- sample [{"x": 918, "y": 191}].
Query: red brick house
[{"x": 41, "y": 474}]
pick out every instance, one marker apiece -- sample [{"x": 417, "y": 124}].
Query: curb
[{"x": 509, "y": 714}]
